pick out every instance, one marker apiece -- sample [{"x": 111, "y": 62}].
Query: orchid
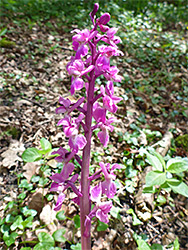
[
  {"x": 93, "y": 51},
  {"x": 61, "y": 183}
]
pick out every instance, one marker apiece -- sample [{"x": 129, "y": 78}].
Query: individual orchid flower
[
  {"x": 77, "y": 142},
  {"x": 112, "y": 74},
  {"x": 99, "y": 115},
  {"x": 61, "y": 183},
  {"x": 67, "y": 106},
  {"x": 71, "y": 125},
  {"x": 109, "y": 186},
  {"x": 77, "y": 69},
  {"x": 100, "y": 210},
  {"x": 109, "y": 51},
  {"x": 109, "y": 100}
]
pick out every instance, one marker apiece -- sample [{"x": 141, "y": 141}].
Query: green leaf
[
  {"x": 58, "y": 235},
  {"x": 5, "y": 228},
  {"x": 31, "y": 155},
  {"x": 160, "y": 158},
  {"x": 25, "y": 248},
  {"x": 176, "y": 165},
  {"x": 155, "y": 178},
  {"x": 136, "y": 221},
  {"x": 9, "y": 239},
  {"x": 26, "y": 185},
  {"x": 101, "y": 226},
  {"x": 161, "y": 199},
  {"x": 46, "y": 238},
  {"x": 154, "y": 162},
  {"x": 9, "y": 218},
  {"x": 17, "y": 223},
  {"x": 76, "y": 247},
  {"x": 176, "y": 244},
  {"x": 43, "y": 246},
  {"x": 77, "y": 221},
  {"x": 178, "y": 187},
  {"x": 3, "y": 31},
  {"x": 156, "y": 246},
  {"x": 142, "y": 245},
  {"x": 60, "y": 215},
  {"x": 27, "y": 212},
  {"x": 115, "y": 212},
  {"x": 45, "y": 145}
]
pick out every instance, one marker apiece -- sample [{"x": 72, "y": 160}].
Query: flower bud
[
  {"x": 104, "y": 19},
  {"x": 95, "y": 9}
]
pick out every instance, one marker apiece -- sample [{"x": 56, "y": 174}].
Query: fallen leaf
[{"x": 30, "y": 169}]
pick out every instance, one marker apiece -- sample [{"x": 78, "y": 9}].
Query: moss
[
  {"x": 182, "y": 141},
  {"x": 4, "y": 43}
]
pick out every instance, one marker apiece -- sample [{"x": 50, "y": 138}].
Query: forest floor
[{"x": 32, "y": 77}]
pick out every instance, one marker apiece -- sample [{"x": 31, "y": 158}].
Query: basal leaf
[
  {"x": 178, "y": 187},
  {"x": 155, "y": 178},
  {"x": 45, "y": 145},
  {"x": 177, "y": 165},
  {"x": 154, "y": 162},
  {"x": 31, "y": 155}
]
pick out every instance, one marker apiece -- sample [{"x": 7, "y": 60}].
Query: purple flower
[
  {"x": 65, "y": 105},
  {"x": 99, "y": 115},
  {"x": 109, "y": 186},
  {"x": 100, "y": 210},
  {"x": 77, "y": 69},
  {"x": 70, "y": 126},
  {"x": 61, "y": 183},
  {"x": 109, "y": 51},
  {"x": 109, "y": 100},
  {"x": 62, "y": 152},
  {"x": 102, "y": 65},
  {"x": 112, "y": 74},
  {"x": 77, "y": 142}
]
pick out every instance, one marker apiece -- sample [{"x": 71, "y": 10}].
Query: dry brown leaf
[
  {"x": 37, "y": 200},
  {"x": 48, "y": 216},
  {"x": 30, "y": 169},
  {"x": 11, "y": 155}
]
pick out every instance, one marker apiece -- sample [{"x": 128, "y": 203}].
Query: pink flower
[
  {"x": 71, "y": 126},
  {"x": 109, "y": 51},
  {"x": 77, "y": 69},
  {"x": 109, "y": 186},
  {"x": 61, "y": 183},
  {"x": 109, "y": 100},
  {"x": 99, "y": 115},
  {"x": 77, "y": 142}
]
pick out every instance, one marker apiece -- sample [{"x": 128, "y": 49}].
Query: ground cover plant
[{"x": 152, "y": 115}]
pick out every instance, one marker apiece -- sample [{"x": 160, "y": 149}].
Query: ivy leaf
[
  {"x": 155, "y": 178},
  {"x": 178, "y": 187},
  {"x": 60, "y": 215},
  {"x": 45, "y": 237},
  {"x": 31, "y": 155},
  {"x": 43, "y": 246},
  {"x": 176, "y": 165},
  {"x": 17, "y": 223},
  {"x": 9, "y": 239},
  {"x": 58, "y": 235}
]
